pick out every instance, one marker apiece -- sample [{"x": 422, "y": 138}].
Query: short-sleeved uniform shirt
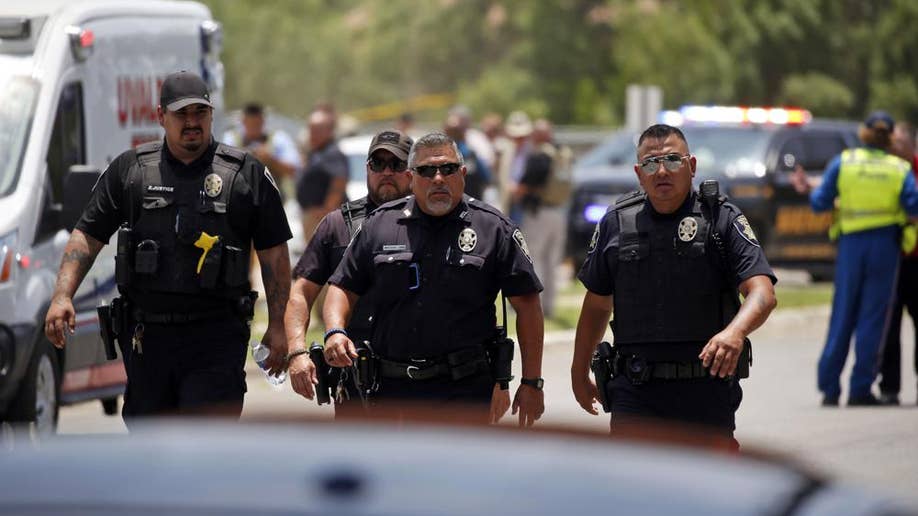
[
  {"x": 326, "y": 247},
  {"x": 435, "y": 279},
  {"x": 255, "y": 209},
  {"x": 745, "y": 255},
  {"x": 322, "y": 166}
]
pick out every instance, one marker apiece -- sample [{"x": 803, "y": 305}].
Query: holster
[
  {"x": 745, "y": 360},
  {"x": 106, "y": 331},
  {"x": 367, "y": 369},
  {"x": 323, "y": 387},
  {"x": 124, "y": 258},
  {"x": 245, "y": 305},
  {"x": 602, "y": 366},
  {"x": 500, "y": 356}
]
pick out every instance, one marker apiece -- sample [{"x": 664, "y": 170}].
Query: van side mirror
[{"x": 78, "y": 185}]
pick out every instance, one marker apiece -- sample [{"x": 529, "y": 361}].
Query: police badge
[
  {"x": 688, "y": 228},
  {"x": 467, "y": 240},
  {"x": 213, "y": 185}
]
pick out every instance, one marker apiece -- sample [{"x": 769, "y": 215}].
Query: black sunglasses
[
  {"x": 430, "y": 171},
  {"x": 379, "y": 165},
  {"x": 672, "y": 162}
]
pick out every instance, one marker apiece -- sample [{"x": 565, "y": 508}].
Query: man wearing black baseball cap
[
  {"x": 872, "y": 193},
  {"x": 187, "y": 210},
  {"x": 388, "y": 179}
]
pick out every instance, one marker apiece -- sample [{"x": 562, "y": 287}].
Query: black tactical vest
[
  {"x": 670, "y": 283},
  {"x": 177, "y": 217}
]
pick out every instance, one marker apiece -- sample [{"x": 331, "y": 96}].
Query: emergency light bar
[{"x": 735, "y": 115}]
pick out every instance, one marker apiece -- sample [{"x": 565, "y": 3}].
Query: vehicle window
[
  {"x": 727, "y": 149},
  {"x": 18, "y": 97},
  {"x": 67, "y": 146},
  {"x": 821, "y": 148},
  {"x": 618, "y": 150},
  {"x": 792, "y": 153}
]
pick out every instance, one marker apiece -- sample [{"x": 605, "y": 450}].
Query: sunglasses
[
  {"x": 672, "y": 162},
  {"x": 379, "y": 165},
  {"x": 430, "y": 171}
]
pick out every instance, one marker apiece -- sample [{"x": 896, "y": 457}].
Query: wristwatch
[{"x": 535, "y": 383}]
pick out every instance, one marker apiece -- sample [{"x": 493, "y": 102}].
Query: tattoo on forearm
[{"x": 276, "y": 291}]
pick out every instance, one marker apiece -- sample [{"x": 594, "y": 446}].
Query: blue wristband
[{"x": 333, "y": 331}]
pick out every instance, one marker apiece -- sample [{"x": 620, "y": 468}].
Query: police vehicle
[
  {"x": 79, "y": 84},
  {"x": 751, "y": 152}
]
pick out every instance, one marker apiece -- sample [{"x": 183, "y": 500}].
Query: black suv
[{"x": 752, "y": 163}]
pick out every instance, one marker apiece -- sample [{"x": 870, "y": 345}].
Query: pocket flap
[
  {"x": 466, "y": 260},
  {"x": 634, "y": 251}
]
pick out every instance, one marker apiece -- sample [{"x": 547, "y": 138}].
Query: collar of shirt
[
  {"x": 201, "y": 163},
  {"x": 412, "y": 212}
]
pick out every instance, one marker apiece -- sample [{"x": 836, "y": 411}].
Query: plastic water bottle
[{"x": 260, "y": 353}]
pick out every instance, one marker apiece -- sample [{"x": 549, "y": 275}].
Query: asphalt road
[{"x": 869, "y": 447}]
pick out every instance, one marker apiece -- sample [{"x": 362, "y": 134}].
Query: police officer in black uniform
[
  {"x": 387, "y": 179},
  {"x": 434, "y": 263},
  {"x": 673, "y": 261},
  {"x": 190, "y": 210}
]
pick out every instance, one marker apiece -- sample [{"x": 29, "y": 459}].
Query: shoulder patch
[
  {"x": 745, "y": 230},
  {"x": 521, "y": 242},
  {"x": 594, "y": 239},
  {"x": 271, "y": 179}
]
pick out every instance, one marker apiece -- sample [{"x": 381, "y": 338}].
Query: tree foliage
[{"x": 571, "y": 60}]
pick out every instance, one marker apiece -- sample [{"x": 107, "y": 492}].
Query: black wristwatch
[{"x": 535, "y": 383}]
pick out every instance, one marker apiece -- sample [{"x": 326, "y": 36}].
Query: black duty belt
[
  {"x": 639, "y": 370},
  {"x": 456, "y": 365},
  {"x": 181, "y": 317}
]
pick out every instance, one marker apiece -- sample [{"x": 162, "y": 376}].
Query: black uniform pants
[
  {"x": 468, "y": 399},
  {"x": 191, "y": 369},
  {"x": 708, "y": 403},
  {"x": 907, "y": 297}
]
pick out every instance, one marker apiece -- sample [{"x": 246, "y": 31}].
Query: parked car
[{"x": 751, "y": 152}]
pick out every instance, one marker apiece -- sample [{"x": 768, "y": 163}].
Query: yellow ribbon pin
[{"x": 205, "y": 242}]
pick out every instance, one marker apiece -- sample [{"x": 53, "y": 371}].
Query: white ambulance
[{"x": 79, "y": 84}]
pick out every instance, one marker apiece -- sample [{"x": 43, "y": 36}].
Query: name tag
[{"x": 394, "y": 247}]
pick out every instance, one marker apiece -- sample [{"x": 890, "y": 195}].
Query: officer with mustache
[{"x": 434, "y": 263}]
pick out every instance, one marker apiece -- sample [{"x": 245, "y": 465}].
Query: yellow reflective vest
[{"x": 869, "y": 187}]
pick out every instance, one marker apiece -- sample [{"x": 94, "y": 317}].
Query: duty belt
[
  {"x": 638, "y": 370},
  {"x": 180, "y": 317},
  {"x": 457, "y": 365}
]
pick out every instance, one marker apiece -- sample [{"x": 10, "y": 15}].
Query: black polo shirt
[{"x": 435, "y": 280}]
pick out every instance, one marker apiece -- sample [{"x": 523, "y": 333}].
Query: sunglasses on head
[
  {"x": 672, "y": 162},
  {"x": 379, "y": 165},
  {"x": 430, "y": 171}
]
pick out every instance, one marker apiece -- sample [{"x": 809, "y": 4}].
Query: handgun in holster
[
  {"x": 602, "y": 366},
  {"x": 323, "y": 387},
  {"x": 107, "y": 332},
  {"x": 500, "y": 356},
  {"x": 124, "y": 258},
  {"x": 367, "y": 369}
]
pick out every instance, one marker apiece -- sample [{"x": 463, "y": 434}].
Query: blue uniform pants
[{"x": 865, "y": 278}]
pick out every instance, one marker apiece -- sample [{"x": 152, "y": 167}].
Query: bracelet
[
  {"x": 333, "y": 331},
  {"x": 295, "y": 353}
]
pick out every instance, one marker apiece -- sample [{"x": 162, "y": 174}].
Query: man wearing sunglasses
[
  {"x": 435, "y": 263},
  {"x": 673, "y": 261},
  {"x": 387, "y": 179}
]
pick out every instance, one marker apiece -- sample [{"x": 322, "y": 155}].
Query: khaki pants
[{"x": 545, "y": 234}]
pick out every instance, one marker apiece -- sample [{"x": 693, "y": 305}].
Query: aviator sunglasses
[
  {"x": 379, "y": 165},
  {"x": 430, "y": 171},
  {"x": 672, "y": 162}
]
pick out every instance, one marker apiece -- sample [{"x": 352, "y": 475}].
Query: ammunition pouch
[
  {"x": 146, "y": 257},
  {"x": 323, "y": 387},
  {"x": 602, "y": 367}
]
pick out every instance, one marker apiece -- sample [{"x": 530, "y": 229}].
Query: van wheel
[
  {"x": 37, "y": 400},
  {"x": 110, "y": 406}
]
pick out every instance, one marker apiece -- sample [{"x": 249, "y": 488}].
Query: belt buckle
[
  {"x": 637, "y": 369},
  {"x": 408, "y": 371}
]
